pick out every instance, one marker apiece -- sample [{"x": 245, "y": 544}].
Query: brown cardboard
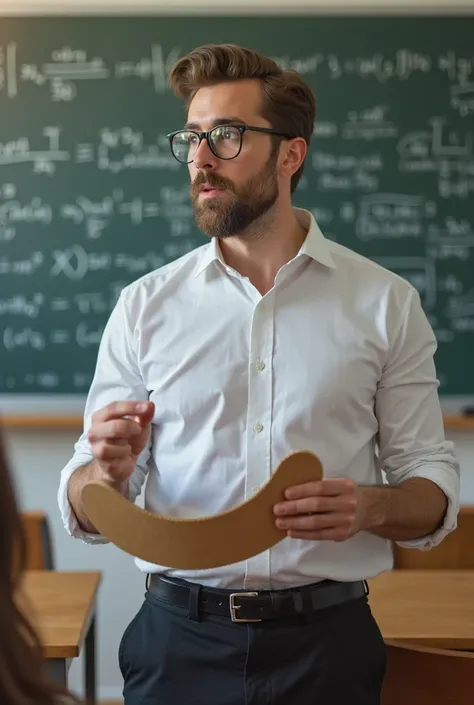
[{"x": 204, "y": 542}]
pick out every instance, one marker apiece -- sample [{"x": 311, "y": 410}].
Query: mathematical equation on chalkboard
[
  {"x": 114, "y": 151},
  {"x": 67, "y": 67}
]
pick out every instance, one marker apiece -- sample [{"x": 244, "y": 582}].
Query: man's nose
[{"x": 204, "y": 157}]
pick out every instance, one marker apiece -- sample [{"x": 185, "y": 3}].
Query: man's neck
[{"x": 260, "y": 252}]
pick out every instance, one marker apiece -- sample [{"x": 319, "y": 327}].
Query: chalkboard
[{"x": 91, "y": 198}]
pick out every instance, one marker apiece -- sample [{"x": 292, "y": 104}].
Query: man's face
[{"x": 245, "y": 187}]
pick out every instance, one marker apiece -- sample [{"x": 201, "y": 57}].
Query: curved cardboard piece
[{"x": 204, "y": 542}]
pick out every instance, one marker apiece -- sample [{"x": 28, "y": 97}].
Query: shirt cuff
[
  {"x": 68, "y": 516},
  {"x": 448, "y": 482}
]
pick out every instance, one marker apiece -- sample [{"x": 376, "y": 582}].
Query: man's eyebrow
[{"x": 228, "y": 120}]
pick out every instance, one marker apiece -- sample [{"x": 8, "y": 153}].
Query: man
[{"x": 267, "y": 340}]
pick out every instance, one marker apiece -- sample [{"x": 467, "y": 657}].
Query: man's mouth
[{"x": 210, "y": 191}]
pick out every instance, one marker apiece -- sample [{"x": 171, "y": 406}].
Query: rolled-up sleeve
[
  {"x": 411, "y": 432},
  {"x": 116, "y": 378}
]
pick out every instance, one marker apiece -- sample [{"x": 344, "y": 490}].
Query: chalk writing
[{"x": 91, "y": 197}]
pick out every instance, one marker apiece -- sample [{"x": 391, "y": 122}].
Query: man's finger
[
  {"x": 119, "y": 409},
  {"x": 114, "y": 429},
  {"x": 105, "y": 451},
  {"x": 315, "y": 522},
  {"x": 327, "y": 487},
  {"x": 338, "y": 534},
  {"x": 306, "y": 505}
]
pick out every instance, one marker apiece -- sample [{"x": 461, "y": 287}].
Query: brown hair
[
  {"x": 22, "y": 678},
  {"x": 288, "y": 101}
]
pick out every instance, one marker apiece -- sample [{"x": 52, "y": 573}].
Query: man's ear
[{"x": 292, "y": 155}]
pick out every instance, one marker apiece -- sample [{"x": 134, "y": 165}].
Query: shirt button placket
[{"x": 259, "y": 420}]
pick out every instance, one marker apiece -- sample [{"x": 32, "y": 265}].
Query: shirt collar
[
  {"x": 315, "y": 245},
  {"x": 211, "y": 253}
]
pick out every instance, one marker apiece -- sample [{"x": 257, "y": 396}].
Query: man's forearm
[
  {"x": 79, "y": 478},
  {"x": 411, "y": 511}
]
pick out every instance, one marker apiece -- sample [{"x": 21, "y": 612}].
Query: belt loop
[
  {"x": 298, "y": 601},
  {"x": 193, "y": 607},
  {"x": 367, "y": 590}
]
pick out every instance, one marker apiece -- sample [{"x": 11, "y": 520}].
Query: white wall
[{"x": 37, "y": 456}]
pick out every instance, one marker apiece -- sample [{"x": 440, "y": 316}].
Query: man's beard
[{"x": 235, "y": 212}]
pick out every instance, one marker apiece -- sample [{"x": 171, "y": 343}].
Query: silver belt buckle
[{"x": 234, "y": 607}]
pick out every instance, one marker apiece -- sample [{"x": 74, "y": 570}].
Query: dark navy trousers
[{"x": 334, "y": 656}]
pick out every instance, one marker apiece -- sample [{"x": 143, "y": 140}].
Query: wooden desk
[
  {"x": 429, "y": 607},
  {"x": 62, "y": 607}
]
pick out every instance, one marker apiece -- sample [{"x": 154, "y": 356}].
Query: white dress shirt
[{"x": 337, "y": 358}]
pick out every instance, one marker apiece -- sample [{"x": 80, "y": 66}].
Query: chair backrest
[
  {"x": 39, "y": 549},
  {"x": 455, "y": 552},
  {"x": 418, "y": 675}
]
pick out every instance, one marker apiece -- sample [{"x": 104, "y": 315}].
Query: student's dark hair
[{"x": 22, "y": 672}]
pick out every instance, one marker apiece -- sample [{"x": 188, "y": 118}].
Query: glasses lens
[
  {"x": 184, "y": 144},
  {"x": 226, "y": 141}
]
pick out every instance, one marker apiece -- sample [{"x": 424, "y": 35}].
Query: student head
[
  {"x": 229, "y": 89},
  {"x": 22, "y": 680}
]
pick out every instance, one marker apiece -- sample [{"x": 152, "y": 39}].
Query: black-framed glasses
[{"x": 225, "y": 141}]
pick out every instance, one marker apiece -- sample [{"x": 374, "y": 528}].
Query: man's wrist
[
  {"x": 375, "y": 507},
  {"x": 98, "y": 474}
]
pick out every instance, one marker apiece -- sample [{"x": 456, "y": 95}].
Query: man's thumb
[{"x": 147, "y": 416}]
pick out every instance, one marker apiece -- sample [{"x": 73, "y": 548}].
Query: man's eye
[{"x": 226, "y": 134}]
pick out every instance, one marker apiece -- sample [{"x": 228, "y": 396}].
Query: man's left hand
[{"x": 332, "y": 509}]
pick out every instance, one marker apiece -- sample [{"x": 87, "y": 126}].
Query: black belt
[{"x": 255, "y": 606}]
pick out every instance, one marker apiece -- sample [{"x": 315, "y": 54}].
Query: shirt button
[
  {"x": 258, "y": 427},
  {"x": 255, "y": 489},
  {"x": 260, "y": 365}
]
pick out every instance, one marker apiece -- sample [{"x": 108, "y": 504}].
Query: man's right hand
[{"x": 118, "y": 434}]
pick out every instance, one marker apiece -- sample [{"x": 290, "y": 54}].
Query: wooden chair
[
  {"x": 418, "y": 675},
  {"x": 39, "y": 548},
  {"x": 455, "y": 552}
]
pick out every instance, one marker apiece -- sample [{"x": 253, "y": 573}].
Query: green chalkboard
[{"x": 91, "y": 198}]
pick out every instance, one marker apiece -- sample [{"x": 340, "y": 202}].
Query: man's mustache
[{"x": 210, "y": 180}]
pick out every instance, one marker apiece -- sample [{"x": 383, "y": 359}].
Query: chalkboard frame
[
  {"x": 66, "y": 411},
  {"x": 114, "y": 8}
]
